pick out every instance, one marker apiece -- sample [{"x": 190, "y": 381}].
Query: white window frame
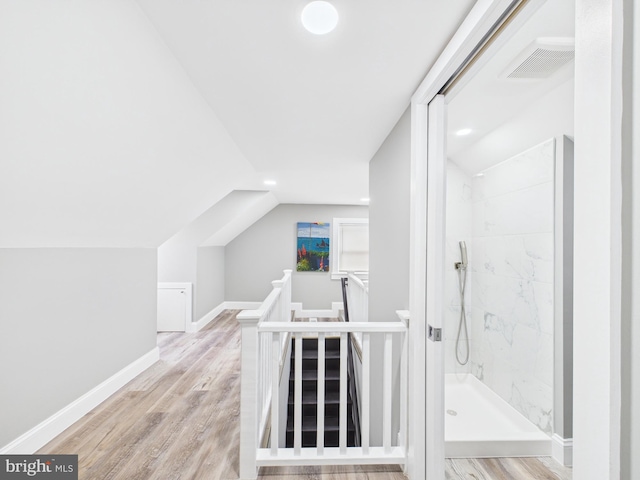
[{"x": 336, "y": 244}]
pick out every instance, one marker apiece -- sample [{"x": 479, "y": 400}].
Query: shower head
[
  {"x": 463, "y": 254},
  {"x": 462, "y": 264}
]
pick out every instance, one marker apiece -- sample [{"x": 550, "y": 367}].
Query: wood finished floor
[{"x": 180, "y": 420}]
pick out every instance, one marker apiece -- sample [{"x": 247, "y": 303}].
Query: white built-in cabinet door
[{"x": 174, "y": 307}]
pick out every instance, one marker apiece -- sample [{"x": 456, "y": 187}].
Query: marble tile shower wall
[
  {"x": 512, "y": 281},
  {"x": 459, "y": 227}
]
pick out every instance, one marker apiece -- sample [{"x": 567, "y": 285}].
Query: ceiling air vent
[{"x": 541, "y": 59}]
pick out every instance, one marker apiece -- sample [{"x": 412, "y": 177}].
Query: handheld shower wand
[
  {"x": 461, "y": 267},
  {"x": 463, "y": 256}
]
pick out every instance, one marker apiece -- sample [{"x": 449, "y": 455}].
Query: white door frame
[
  {"x": 599, "y": 31},
  {"x": 426, "y": 456}
]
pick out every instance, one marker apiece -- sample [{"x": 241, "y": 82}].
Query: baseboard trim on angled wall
[
  {"x": 562, "y": 450},
  {"x": 206, "y": 319},
  {"x": 53, "y": 426}
]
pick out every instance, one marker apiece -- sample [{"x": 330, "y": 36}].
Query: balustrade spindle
[
  {"x": 343, "y": 393},
  {"x": 387, "y": 391},
  {"x": 366, "y": 391},
  {"x": 321, "y": 383},
  {"x": 297, "y": 413}
]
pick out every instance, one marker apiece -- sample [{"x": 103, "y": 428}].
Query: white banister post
[
  {"x": 277, "y": 308},
  {"x": 286, "y": 291},
  {"x": 249, "y": 394}
]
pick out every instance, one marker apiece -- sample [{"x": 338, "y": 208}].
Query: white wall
[
  {"x": 513, "y": 274},
  {"x": 71, "y": 318},
  {"x": 630, "y": 411},
  {"x": 104, "y": 140},
  {"x": 597, "y": 243},
  {"x": 459, "y": 228},
  {"x": 258, "y": 255},
  {"x": 551, "y": 115}
]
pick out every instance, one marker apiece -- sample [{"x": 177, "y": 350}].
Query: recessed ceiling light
[
  {"x": 366, "y": 199},
  {"x": 319, "y": 17},
  {"x": 269, "y": 182},
  {"x": 463, "y": 132}
]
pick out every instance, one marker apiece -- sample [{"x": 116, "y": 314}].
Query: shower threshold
[{"x": 479, "y": 423}]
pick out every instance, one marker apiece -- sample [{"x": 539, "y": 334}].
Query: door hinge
[{"x": 434, "y": 334}]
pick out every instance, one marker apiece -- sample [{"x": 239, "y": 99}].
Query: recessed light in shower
[{"x": 464, "y": 131}]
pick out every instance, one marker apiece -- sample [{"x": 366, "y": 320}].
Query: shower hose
[{"x": 462, "y": 282}]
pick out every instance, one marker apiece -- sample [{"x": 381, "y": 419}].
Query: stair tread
[
  {"x": 309, "y": 374},
  {"x": 331, "y": 424},
  {"x": 308, "y": 354},
  {"x": 310, "y": 397}
]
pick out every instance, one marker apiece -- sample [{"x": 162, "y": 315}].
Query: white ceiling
[
  {"x": 308, "y": 111},
  {"x": 488, "y": 104}
]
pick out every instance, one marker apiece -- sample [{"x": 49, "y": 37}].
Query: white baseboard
[
  {"x": 206, "y": 319},
  {"x": 562, "y": 450},
  {"x": 301, "y": 313},
  {"x": 53, "y": 426}
]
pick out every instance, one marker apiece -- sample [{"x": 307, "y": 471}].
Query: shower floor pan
[{"x": 478, "y": 423}]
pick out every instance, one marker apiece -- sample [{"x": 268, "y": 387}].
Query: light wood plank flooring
[{"x": 180, "y": 420}]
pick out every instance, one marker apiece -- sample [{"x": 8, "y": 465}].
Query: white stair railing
[
  {"x": 262, "y": 357},
  {"x": 258, "y": 382}
]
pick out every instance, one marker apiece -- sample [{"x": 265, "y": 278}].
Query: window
[{"x": 349, "y": 246}]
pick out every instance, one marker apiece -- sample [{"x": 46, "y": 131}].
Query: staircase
[{"x": 309, "y": 395}]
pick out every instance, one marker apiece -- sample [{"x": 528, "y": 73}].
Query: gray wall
[
  {"x": 177, "y": 262},
  {"x": 201, "y": 266},
  {"x": 71, "y": 318},
  {"x": 389, "y": 189},
  {"x": 257, "y": 256},
  {"x": 209, "y": 280}
]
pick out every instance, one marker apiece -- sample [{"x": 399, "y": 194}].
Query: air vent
[{"x": 541, "y": 59}]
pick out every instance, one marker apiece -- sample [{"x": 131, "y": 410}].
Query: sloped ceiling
[
  {"x": 104, "y": 140},
  {"x": 122, "y": 122},
  {"x": 225, "y": 220},
  {"x": 308, "y": 111}
]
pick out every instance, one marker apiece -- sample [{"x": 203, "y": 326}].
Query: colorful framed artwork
[{"x": 313, "y": 247}]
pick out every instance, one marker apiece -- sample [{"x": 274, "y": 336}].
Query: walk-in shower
[
  {"x": 499, "y": 374},
  {"x": 500, "y": 269}
]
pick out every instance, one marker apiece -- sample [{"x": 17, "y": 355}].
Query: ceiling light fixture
[
  {"x": 463, "y": 132},
  {"x": 364, "y": 200},
  {"x": 319, "y": 17},
  {"x": 269, "y": 182}
]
